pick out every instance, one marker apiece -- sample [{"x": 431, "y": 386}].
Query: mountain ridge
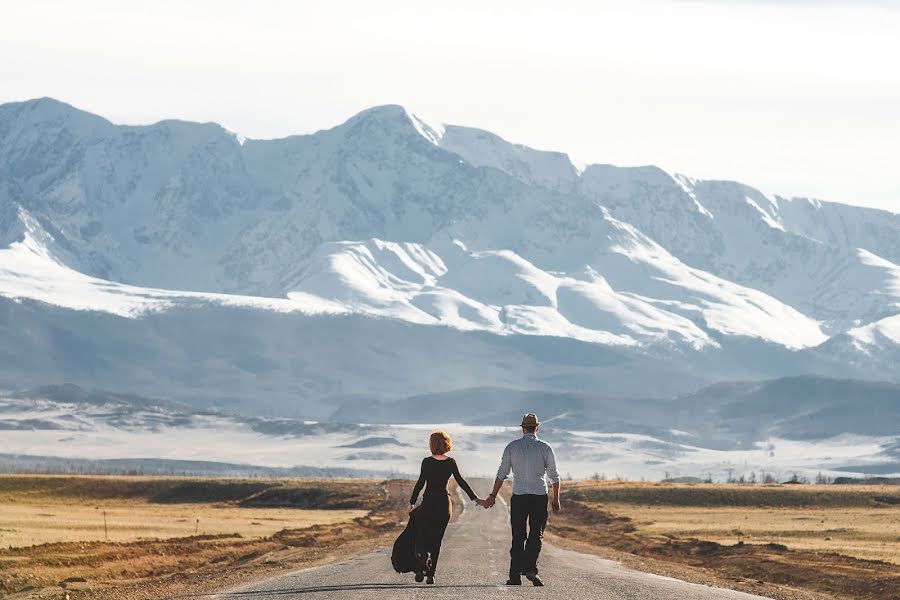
[{"x": 387, "y": 216}]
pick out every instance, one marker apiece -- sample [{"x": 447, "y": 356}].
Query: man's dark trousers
[{"x": 528, "y": 518}]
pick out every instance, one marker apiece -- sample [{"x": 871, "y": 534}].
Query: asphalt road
[{"x": 473, "y": 565}]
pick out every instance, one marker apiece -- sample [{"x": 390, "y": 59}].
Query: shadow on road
[{"x": 349, "y": 587}]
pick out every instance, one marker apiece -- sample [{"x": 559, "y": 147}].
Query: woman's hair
[{"x": 440, "y": 442}]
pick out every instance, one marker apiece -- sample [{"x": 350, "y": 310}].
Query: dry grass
[
  {"x": 319, "y": 494},
  {"x": 759, "y": 537},
  {"x": 46, "y": 509},
  {"x": 867, "y": 533},
  {"x": 751, "y": 496},
  {"x": 247, "y": 528},
  {"x": 857, "y": 521},
  {"x": 37, "y": 522}
]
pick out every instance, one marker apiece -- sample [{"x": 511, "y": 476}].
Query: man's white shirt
[{"x": 532, "y": 463}]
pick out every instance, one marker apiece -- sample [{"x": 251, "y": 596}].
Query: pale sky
[{"x": 796, "y": 97}]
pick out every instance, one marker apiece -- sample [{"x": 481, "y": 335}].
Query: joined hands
[
  {"x": 487, "y": 502},
  {"x": 490, "y": 501}
]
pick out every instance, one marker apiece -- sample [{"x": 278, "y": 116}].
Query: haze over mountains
[
  {"x": 727, "y": 429},
  {"x": 389, "y": 258}
]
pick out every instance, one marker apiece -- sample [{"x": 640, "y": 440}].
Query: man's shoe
[
  {"x": 534, "y": 579},
  {"x": 514, "y": 581},
  {"x": 420, "y": 577},
  {"x": 430, "y": 580}
]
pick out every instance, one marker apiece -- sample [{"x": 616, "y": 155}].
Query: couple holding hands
[{"x": 532, "y": 463}]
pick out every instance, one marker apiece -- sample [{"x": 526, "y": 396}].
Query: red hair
[{"x": 440, "y": 442}]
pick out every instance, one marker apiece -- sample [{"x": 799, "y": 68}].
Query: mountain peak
[
  {"x": 45, "y": 103},
  {"x": 46, "y": 110},
  {"x": 395, "y": 116},
  {"x": 381, "y": 112},
  {"x": 47, "y": 107}
]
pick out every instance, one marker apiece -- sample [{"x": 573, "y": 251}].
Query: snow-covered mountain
[{"x": 388, "y": 257}]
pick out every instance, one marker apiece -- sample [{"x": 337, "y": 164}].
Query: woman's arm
[
  {"x": 462, "y": 482},
  {"x": 419, "y": 485}
]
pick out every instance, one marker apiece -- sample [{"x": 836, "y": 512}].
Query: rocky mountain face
[{"x": 181, "y": 260}]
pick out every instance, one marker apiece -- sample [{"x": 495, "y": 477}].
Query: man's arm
[
  {"x": 502, "y": 474},
  {"x": 492, "y": 498},
  {"x": 553, "y": 476}
]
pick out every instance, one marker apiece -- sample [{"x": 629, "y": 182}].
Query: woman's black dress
[{"x": 434, "y": 514}]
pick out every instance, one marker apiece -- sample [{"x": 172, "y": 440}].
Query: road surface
[{"x": 473, "y": 566}]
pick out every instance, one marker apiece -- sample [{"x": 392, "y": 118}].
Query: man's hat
[{"x": 530, "y": 420}]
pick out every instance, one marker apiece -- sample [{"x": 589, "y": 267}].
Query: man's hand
[
  {"x": 410, "y": 508},
  {"x": 489, "y": 502},
  {"x": 554, "y": 504}
]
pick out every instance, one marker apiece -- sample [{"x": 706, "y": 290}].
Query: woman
[{"x": 433, "y": 515}]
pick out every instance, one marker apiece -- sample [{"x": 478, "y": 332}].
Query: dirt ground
[
  {"x": 354, "y": 516},
  {"x": 727, "y": 536},
  {"x": 663, "y": 528}
]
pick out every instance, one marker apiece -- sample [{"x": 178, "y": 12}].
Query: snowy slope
[
  {"x": 653, "y": 298},
  {"x": 30, "y": 271},
  {"x": 871, "y": 351},
  {"x": 414, "y": 226},
  {"x": 869, "y": 338},
  {"x": 495, "y": 291},
  {"x": 836, "y": 263},
  {"x": 481, "y": 148}
]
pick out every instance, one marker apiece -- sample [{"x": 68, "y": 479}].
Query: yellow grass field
[
  {"x": 166, "y": 536},
  {"x": 36, "y": 522},
  {"x": 40, "y": 510},
  {"x": 858, "y": 521},
  {"x": 867, "y": 533},
  {"x": 831, "y": 541}
]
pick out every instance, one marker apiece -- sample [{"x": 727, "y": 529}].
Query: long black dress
[{"x": 434, "y": 514}]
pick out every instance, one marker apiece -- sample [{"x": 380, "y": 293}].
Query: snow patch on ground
[{"x": 78, "y": 431}]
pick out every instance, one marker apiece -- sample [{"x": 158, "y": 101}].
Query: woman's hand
[{"x": 410, "y": 508}]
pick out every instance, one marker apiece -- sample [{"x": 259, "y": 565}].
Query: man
[{"x": 532, "y": 463}]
